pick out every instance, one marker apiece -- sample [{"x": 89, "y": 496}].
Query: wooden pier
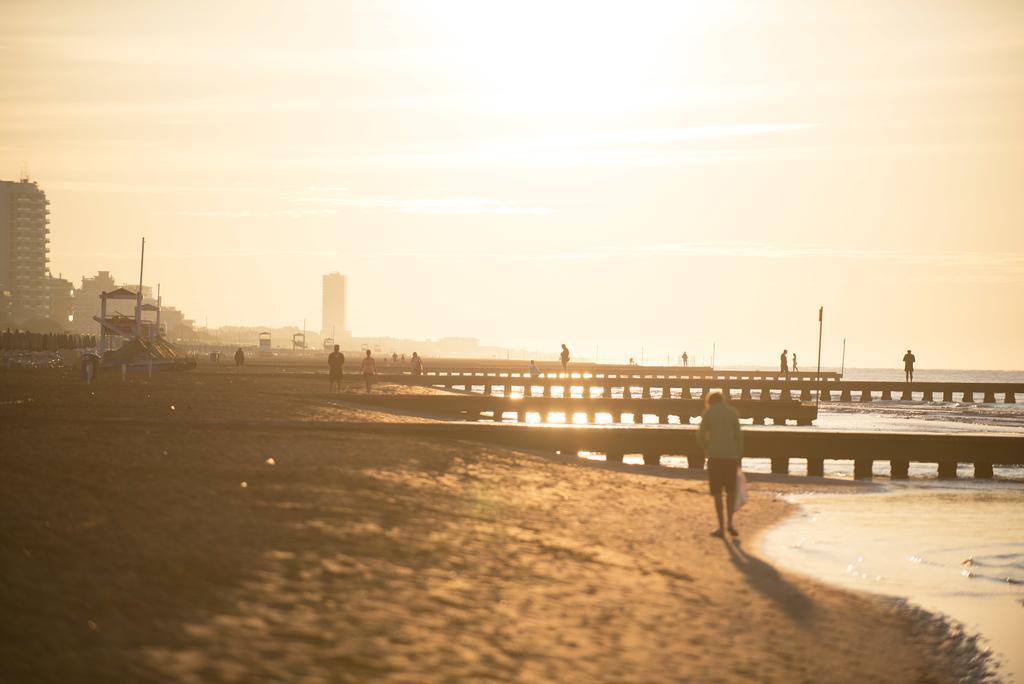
[
  {"x": 765, "y": 387},
  {"x": 496, "y": 408},
  {"x": 983, "y": 451}
]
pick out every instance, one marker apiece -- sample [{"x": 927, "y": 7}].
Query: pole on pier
[
  {"x": 842, "y": 368},
  {"x": 713, "y": 345},
  {"x": 821, "y": 316},
  {"x": 138, "y": 295}
]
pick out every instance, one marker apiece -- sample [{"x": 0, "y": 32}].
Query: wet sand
[{"x": 134, "y": 552}]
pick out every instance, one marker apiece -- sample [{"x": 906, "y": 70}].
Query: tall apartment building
[
  {"x": 23, "y": 248},
  {"x": 334, "y": 307}
]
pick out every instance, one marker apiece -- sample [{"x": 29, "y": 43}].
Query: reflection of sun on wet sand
[{"x": 134, "y": 552}]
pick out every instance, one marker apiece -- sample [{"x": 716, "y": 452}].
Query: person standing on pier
[
  {"x": 908, "y": 365},
  {"x": 534, "y": 370},
  {"x": 417, "y": 364},
  {"x": 720, "y": 437},
  {"x": 368, "y": 369},
  {"x": 564, "y": 356},
  {"x": 784, "y": 363},
  {"x": 796, "y": 369},
  {"x": 336, "y": 362},
  {"x": 686, "y": 360}
]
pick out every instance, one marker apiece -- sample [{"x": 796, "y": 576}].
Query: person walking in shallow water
[
  {"x": 720, "y": 437},
  {"x": 336, "y": 363},
  {"x": 784, "y": 364},
  {"x": 368, "y": 369},
  {"x": 908, "y": 365},
  {"x": 564, "y": 356}
]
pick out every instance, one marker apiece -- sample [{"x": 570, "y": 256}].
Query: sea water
[{"x": 951, "y": 547}]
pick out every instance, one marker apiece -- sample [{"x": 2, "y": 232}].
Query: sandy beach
[{"x": 142, "y": 538}]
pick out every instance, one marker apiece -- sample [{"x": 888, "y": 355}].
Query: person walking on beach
[
  {"x": 368, "y": 369},
  {"x": 336, "y": 362},
  {"x": 534, "y": 371},
  {"x": 908, "y": 365},
  {"x": 686, "y": 360},
  {"x": 417, "y": 364},
  {"x": 564, "y": 356},
  {"x": 796, "y": 369},
  {"x": 239, "y": 357},
  {"x": 720, "y": 437},
  {"x": 784, "y": 364}
]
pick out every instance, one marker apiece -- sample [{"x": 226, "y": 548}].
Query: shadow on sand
[{"x": 766, "y": 580}]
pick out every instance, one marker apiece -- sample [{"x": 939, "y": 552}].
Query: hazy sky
[{"x": 636, "y": 174}]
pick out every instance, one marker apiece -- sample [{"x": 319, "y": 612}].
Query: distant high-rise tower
[
  {"x": 23, "y": 248},
  {"x": 334, "y": 306}
]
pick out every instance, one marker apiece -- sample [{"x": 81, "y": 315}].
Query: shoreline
[
  {"x": 356, "y": 557},
  {"x": 807, "y": 543}
]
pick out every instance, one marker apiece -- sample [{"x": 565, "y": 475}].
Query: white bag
[{"x": 741, "y": 490}]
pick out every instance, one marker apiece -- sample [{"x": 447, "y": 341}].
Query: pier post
[
  {"x": 589, "y": 417},
  {"x": 547, "y": 389},
  {"x": 886, "y": 395},
  {"x": 695, "y": 462},
  {"x": 990, "y": 397},
  {"x": 968, "y": 397},
  {"x": 487, "y": 389},
  {"x": 666, "y": 392},
  {"x": 845, "y": 395},
  {"x": 947, "y": 395},
  {"x": 865, "y": 395},
  {"x": 646, "y": 394},
  {"x": 947, "y": 470},
  {"x": 908, "y": 395},
  {"x": 1009, "y": 398},
  {"x": 521, "y": 415},
  {"x": 652, "y": 459},
  {"x": 780, "y": 465},
  {"x": 613, "y": 457},
  {"x": 758, "y": 420},
  {"x": 899, "y": 468},
  {"x": 825, "y": 394},
  {"x": 982, "y": 470},
  {"x": 862, "y": 468},
  {"x": 663, "y": 418},
  {"x": 815, "y": 466},
  {"x": 805, "y": 394},
  {"x": 745, "y": 394}
]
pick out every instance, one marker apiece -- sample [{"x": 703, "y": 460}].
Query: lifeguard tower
[{"x": 264, "y": 343}]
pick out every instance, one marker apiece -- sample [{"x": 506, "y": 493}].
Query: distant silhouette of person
[
  {"x": 686, "y": 359},
  {"x": 564, "y": 356},
  {"x": 632, "y": 361},
  {"x": 720, "y": 437},
  {"x": 908, "y": 365},
  {"x": 394, "y": 358},
  {"x": 368, "y": 369},
  {"x": 796, "y": 369},
  {"x": 417, "y": 364},
  {"x": 239, "y": 357},
  {"x": 336, "y": 362},
  {"x": 403, "y": 357},
  {"x": 784, "y": 364},
  {"x": 534, "y": 371},
  {"x": 90, "y": 368}
]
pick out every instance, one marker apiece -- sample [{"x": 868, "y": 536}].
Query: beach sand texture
[{"x": 135, "y": 553}]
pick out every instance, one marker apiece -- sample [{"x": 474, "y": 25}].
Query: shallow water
[{"x": 955, "y": 548}]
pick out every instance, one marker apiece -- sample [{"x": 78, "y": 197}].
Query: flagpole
[{"x": 821, "y": 316}]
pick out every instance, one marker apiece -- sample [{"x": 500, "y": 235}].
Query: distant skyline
[{"x": 664, "y": 176}]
